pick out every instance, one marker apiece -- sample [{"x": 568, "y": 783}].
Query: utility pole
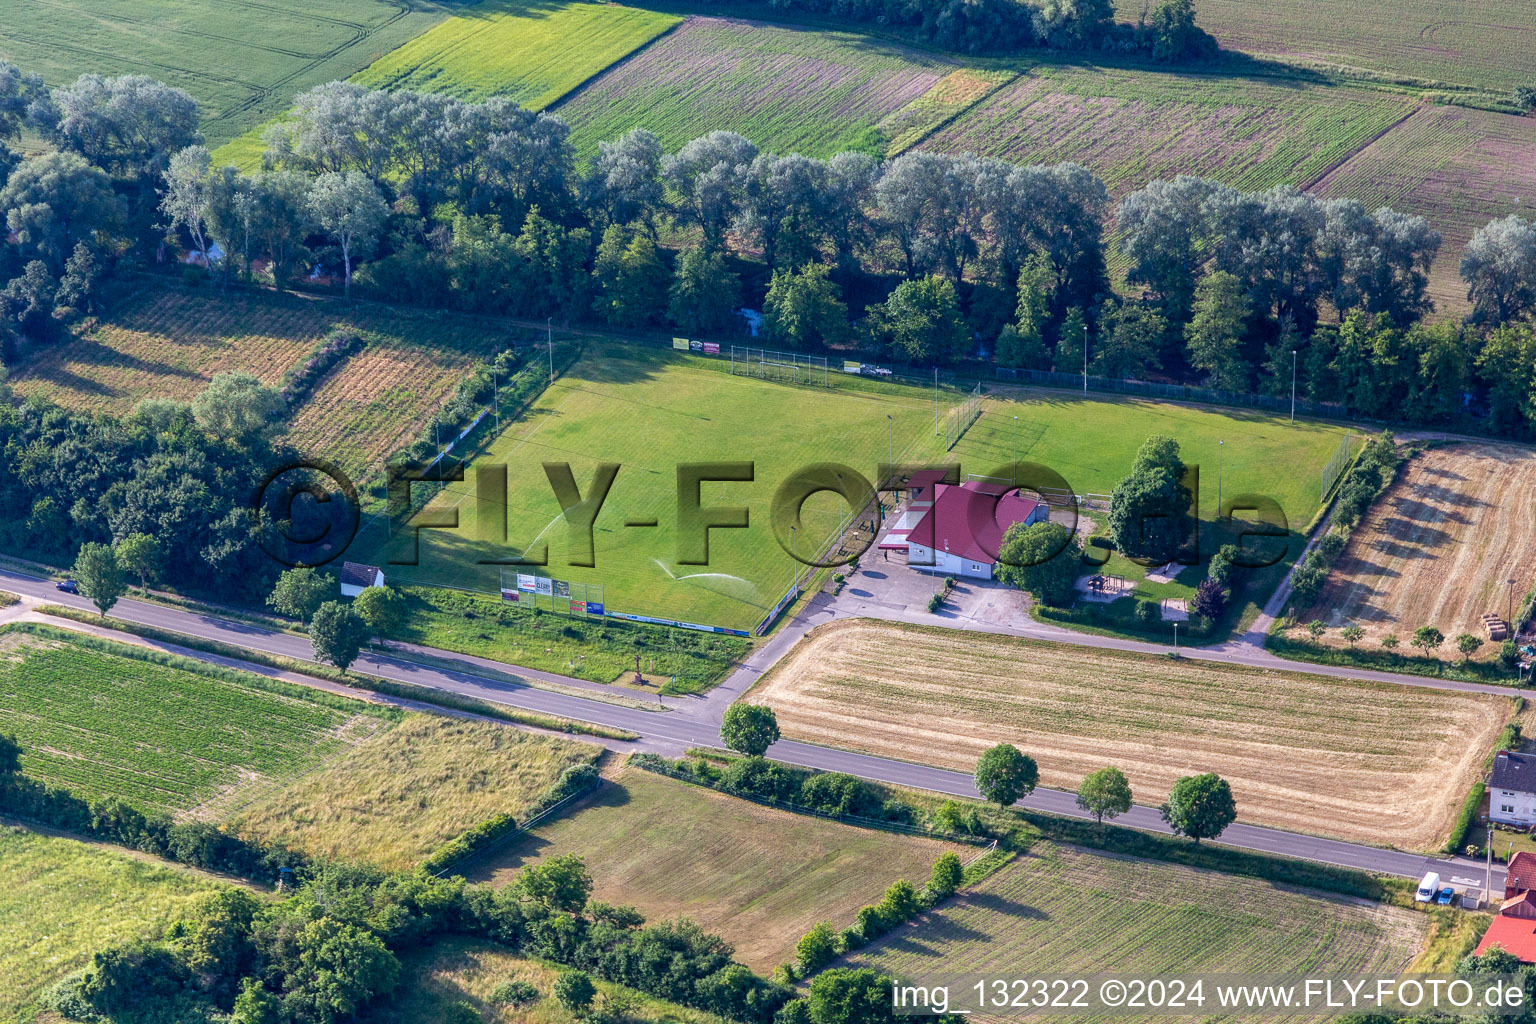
[
  {"x": 1085, "y": 360},
  {"x": 549, "y": 326},
  {"x": 1293, "y": 387},
  {"x": 1175, "y": 638},
  {"x": 1509, "y": 616},
  {"x": 890, "y": 444},
  {"x": 496, "y": 396},
  {"x": 794, "y": 554},
  {"x": 935, "y": 401}
]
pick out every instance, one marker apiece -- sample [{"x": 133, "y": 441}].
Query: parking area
[{"x": 886, "y": 587}]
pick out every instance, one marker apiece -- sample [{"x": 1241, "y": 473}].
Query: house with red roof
[
  {"x": 1521, "y": 875},
  {"x": 1516, "y": 935},
  {"x": 957, "y": 529}
]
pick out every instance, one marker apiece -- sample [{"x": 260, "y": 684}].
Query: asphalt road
[{"x": 695, "y": 722}]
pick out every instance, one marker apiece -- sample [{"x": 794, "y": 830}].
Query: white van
[{"x": 1428, "y": 887}]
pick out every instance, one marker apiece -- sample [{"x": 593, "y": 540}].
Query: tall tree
[
  {"x": 236, "y": 406},
  {"x": 1042, "y": 558},
  {"x": 921, "y": 322},
  {"x": 1200, "y": 807},
  {"x": 337, "y": 634},
  {"x": 708, "y": 176},
  {"x": 130, "y": 125},
  {"x": 749, "y": 728},
  {"x": 1215, "y": 333},
  {"x": 100, "y": 576},
  {"x": 281, "y": 219},
  {"x": 624, "y": 183},
  {"x": 1164, "y": 227},
  {"x": 1104, "y": 794},
  {"x": 347, "y": 206},
  {"x": 187, "y": 198},
  {"x": 804, "y": 308},
  {"x": 1499, "y": 267},
  {"x": 705, "y": 294},
  {"x": 1004, "y": 775},
  {"x": 55, "y": 200},
  {"x": 1130, "y": 338},
  {"x": 1149, "y": 515}
]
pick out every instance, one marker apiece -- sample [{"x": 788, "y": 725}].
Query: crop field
[
  {"x": 650, "y": 412},
  {"x": 788, "y": 90},
  {"x": 1437, "y": 547},
  {"x": 1130, "y": 127},
  {"x": 1458, "y": 167},
  {"x": 1092, "y": 442},
  {"x": 1363, "y": 761},
  {"x": 759, "y": 876},
  {"x": 396, "y": 798},
  {"x": 241, "y": 59},
  {"x": 456, "y": 970},
  {"x": 169, "y": 343},
  {"x": 529, "y": 51},
  {"x": 162, "y": 738},
  {"x": 1482, "y": 44},
  {"x": 64, "y": 900},
  {"x": 1062, "y": 911}
]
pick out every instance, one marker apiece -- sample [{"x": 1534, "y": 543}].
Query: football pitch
[{"x": 651, "y": 412}]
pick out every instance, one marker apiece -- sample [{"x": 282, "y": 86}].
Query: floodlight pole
[
  {"x": 1509, "y": 615},
  {"x": 1085, "y": 361},
  {"x": 550, "y": 337},
  {"x": 1293, "y": 387},
  {"x": 1221, "y": 447},
  {"x": 1175, "y": 638},
  {"x": 890, "y": 443},
  {"x": 496, "y": 396},
  {"x": 935, "y": 401},
  {"x": 1015, "y": 451},
  {"x": 794, "y": 554}
]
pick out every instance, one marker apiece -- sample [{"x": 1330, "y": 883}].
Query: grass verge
[{"x": 354, "y": 680}]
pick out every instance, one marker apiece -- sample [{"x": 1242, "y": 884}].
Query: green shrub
[{"x": 515, "y": 993}]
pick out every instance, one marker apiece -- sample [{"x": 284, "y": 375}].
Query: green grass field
[
  {"x": 64, "y": 900},
  {"x": 1093, "y": 441},
  {"x": 650, "y": 411},
  {"x": 527, "y": 51},
  {"x": 532, "y": 52},
  {"x": 163, "y": 738},
  {"x": 1061, "y": 911},
  {"x": 760, "y": 877},
  {"x": 788, "y": 90},
  {"x": 243, "y": 61},
  {"x": 1130, "y": 126}
]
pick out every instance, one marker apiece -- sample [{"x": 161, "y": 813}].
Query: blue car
[
  {"x": 68, "y": 586},
  {"x": 1444, "y": 896}
]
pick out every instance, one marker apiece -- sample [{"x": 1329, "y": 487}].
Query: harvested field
[
  {"x": 759, "y": 876},
  {"x": 1361, "y": 761},
  {"x": 807, "y": 91},
  {"x": 1063, "y": 911},
  {"x": 1458, "y": 167},
  {"x": 1436, "y": 548},
  {"x": 401, "y": 795},
  {"x": 1132, "y": 126},
  {"x": 1480, "y": 44},
  {"x": 530, "y": 53}
]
